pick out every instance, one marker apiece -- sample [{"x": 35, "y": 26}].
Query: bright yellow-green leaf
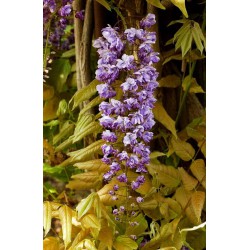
[
  {"x": 51, "y": 243},
  {"x": 66, "y": 130},
  {"x": 194, "y": 87},
  {"x": 198, "y": 133},
  {"x": 149, "y": 204},
  {"x": 181, "y": 5},
  {"x": 188, "y": 181},
  {"x": 79, "y": 237},
  {"x": 156, "y": 154},
  {"x": 162, "y": 116},
  {"x": 90, "y": 220},
  {"x": 91, "y": 176},
  {"x": 170, "y": 81},
  {"x": 65, "y": 215},
  {"x": 69, "y": 53},
  {"x": 183, "y": 149},
  {"x": 124, "y": 242},
  {"x": 167, "y": 175},
  {"x": 137, "y": 229},
  {"x": 47, "y": 210},
  {"x": 168, "y": 248},
  {"x": 85, "y": 204},
  {"x": 50, "y": 108},
  {"x": 104, "y": 3},
  {"x": 89, "y": 244},
  {"x": 93, "y": 165},
  {"x": 156, "y": 3},
  {"x": 199, "y": 171},
  {"x": 85, "y": 93},
  {"x": 68, "y": 142},
  {"x": 186, "y": 43}
]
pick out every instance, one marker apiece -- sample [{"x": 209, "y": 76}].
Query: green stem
[
  {"x": 54, "y": 198},
  {"x": 183, "y": 100}
]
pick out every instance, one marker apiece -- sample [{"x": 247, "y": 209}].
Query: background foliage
[{"x": 77, "y": 206}]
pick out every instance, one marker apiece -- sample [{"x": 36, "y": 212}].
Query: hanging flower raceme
[{"x": 127, "y": 121}]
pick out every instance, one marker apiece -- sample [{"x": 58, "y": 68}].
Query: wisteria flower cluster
[
  {"x": 56, "y": 16},
  {"x": 130, "y": 119}
]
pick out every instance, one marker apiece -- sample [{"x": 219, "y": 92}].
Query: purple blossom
[
  {"x": 139, "y": 130},
  {"x": 109, "y": 136},
  {"x": 131, "y": 103},
  {"x": 132, "y": 161},
  {"x": 115, "y": 167},
  {"x": 117, "y": 107},
  {"x": 129, "y": 139},
  {"x": 65, "y": 10},
  {"x": 139, "y": 199},
  {"x": 105, "y": 91},
  {"x": 115, "y": 187},
  {"x": 111, "y": 192},
  {"x": 147, "y": 136},
  {"x": 132, "y": 34},
  {"x": 122, "y": 209},
  {"x": 148, "y": 21},
  {"x": 127, "y": 62},
  {"x": 141, "y": 179},
  {"x": 122, "y": 178},
  {"x": 115, "y": 211},
  {"x": 106, "y": 159},
  {"x": 107, "y": 176},
  {"x": 107, "y": 73},
  {"x": 123, "y": 156},
  {"x": 105, "y": 108},
  {"x": 150, "y": 37},
  {"x": 107, "y": 149},
  {"x": 106, "y": 121},
  {"x": 137, "y": 118},
  {"x": 129, "y": 85},
  {"x": 135, "y": 185},
  {"x": 80, "y": 14}
]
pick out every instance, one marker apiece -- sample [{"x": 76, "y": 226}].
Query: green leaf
[
  {"x": 85, "y": 204},
  {"x": 196, "y": 239},
  {"x": 188, "y": 181},
  {"x": 106, "y": 236},
  {"x": 91, "y": 221},
  {"x": 51, "y": 124},
  {"x": 84, "y": 94},
  {"x": 58, "y": 75},
  {"x": 193, "y": 88},
  {"x": 65, "y": 144},
  {"x": 104, "y": 3},
  {"x": 47, "y": 211},
  {"x": 51, "y": 170},
  {"x": 162, "y": 116},
  {"x": 156, "y": 3},
  {"x": 156, "y": 154},
  {"x": 65, "y": 215},
  {"x": 69, "y": 53},
  {"x": 83, "y": 154},
  {"x": 97, "y": 100},
  {"x": 199, "y": 171},
  {"x": 137, "y": 229},
  {"x": 183, "y": 149},
  {"x": 181, "y": 5},
  {"x": 93, "y": 127},
  {"x": 123, "y": 242},
  {"x": 167, "y": 175},
  {"x": 186, "y": 43},
  {"x": 93, "y": 165},
  {"x": 66, "y": 130},
  {"x": 170, "y": 81}
]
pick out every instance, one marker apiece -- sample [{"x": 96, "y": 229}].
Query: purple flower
[
  {"x": 115, "y": 187},
  {"x": 122, "y": 178},
  {"x": 107, "y": 73},
  {"x": 117, "y": 107},
  {"x": 132, "y": 34},
  {"x": 115, "y": 167},
  {"x": 132, "y": 161},
  {"x": 105, "y": 91},
  {"x": 106, "y": 121},
  {"x": 148, "y": 21},
  {"x": 147, "y": 136},
  {"x": 127, "y": 62},
  {"x": 122, "y": 208},
  {"x": 106, "y": 160},
  {"x": 137, "y": 118},
  {"x": 139, "y": 199},
  {"x": 129, "y": 85},
  {"x": 141, "y": 179},
  {"x": 131, "y": 103},
  {"x": 107, "y": 176},
  {"x": 65, "y": 10},
  {"x": 107, "y": 149},
  {"x": 150, "y": 37},
  {"x": 135, "y": 185},
  {"x": 129, "y": 139},
  {"x": 105, "y": 108},
  {"x": 80, "y": 14},
  {"x": 123, "y": 156},
  {"x": 139, "y": 130},
  {"x": 115, "y": 211},
  {"x": 111, "y": 192},
  {"x": 109, "y": 136}
]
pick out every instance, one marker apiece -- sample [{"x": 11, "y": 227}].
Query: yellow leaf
[
  {"x": 156, "y": 3},
  {"x": 51, "y": 243},
  {"x": 162, "y": 116},
  {"x": 93, "y": 165},
  {"x": 170, "y": 81},
  {"x": 92, "y": 176},
  {"x": 194, "y": 87},
  {"x": 65, "y": 215},
  {"x": 47, "y": 216},
  {"x": 183, "y": 149},
  {"x": 166, "y": 175},
  {"x": 188, "y": 181},
  {"x": 137, "y": 229},
  {"x": 202, "y": 145},
  {"x": 50, "y": 108},
  {"x": 197, "y": 202},
  {"x": 48, "y": 92},
  {"x": 79, "y": 237},
  {"x": 80, "y": 185},
  {"x": 199, "y": 171},
  {"x": 181, "y": 5},
  {"x": 66, "y": 130},
  {"x": 90, "y": 221},
  {"x": 106, "y": 236},
  {"x": 89, "y": 245},
  {"x": 149, "y": 204},
  {"x": 123, "y": 242}
]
